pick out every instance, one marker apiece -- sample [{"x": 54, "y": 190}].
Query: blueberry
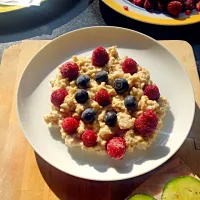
[
  {"x": 101, "y": 76},
  {"x": 81, "y": 96},
  {"x": 83, "y": 81},
  {"x": 121, "y": 85},
  {"x": 130, "y": 103},
  {"x": 88, "y": 115},
  {"x": 110, "y": 118}
]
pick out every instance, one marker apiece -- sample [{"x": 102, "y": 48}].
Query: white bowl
[{"x": 33, "y": 101}]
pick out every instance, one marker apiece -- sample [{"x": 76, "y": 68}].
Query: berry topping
[
  {"x": 125, "y": 8},
  {"x": 100, "y": 57},
  {"x": 81, "y": 96},
  {"x": 70, "y": 125},
  {"x": 116, "y": 148},
  {"x": 83, "y": 81},
  {"x": 103, "y": 98},
  {"x": 121, "y": 85},
  {"x": 148, "y": 5},
  {"x": 110, "y": 118},
  {"x": 101, "y": 76},
  {"x": 198, "y": 6},
  {"x": 69, "y": 70},
  {"x": 152, "y": 92},
  {"x": 88, "y": 115},
  {"x": 130, "y": 103},
  {"x": 89, "y": 138},
  {"x": 129, "y": 66},
  {"x": 188, "y": 12},
  {"x": 58, "y": 96},
  {"x": 138, "y": 2},
  {"x": 146, "y": 123},
  {"x": 174, "y": 8}
]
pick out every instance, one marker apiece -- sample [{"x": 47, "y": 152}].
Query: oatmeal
[{"x": 105, "y": 103}]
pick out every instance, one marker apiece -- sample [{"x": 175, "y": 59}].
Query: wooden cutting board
[{"x": 26, "y": 176}]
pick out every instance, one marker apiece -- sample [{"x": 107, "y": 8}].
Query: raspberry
[
  {"x": 152, "y": 92},
  {"x": 188, "y": 4},
  {"x": 161, "y": 6},
  {"x": 100, "y": 57},
  {"x": 138, "y": 2},
  {"x": 58, "y": 96},
  {"x": 69, "y": 70},
  {"x": 148, "y": 5},
  {"x": 89, "y": 138},
  {"x": 129, "y": 66},
  {"x": 102, "y": 97},
  {"x": 198, "y": 6},
  {"x": 146, "y": 123},
  {"x": 70, "y": 125},
  {"x": 116, "y": 148},
  {"x": 125, "y": 8},
  {"x": 188, "y": 12},
  {"x": 174, "y": 8}
]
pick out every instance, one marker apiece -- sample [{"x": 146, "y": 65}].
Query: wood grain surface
[{"x": 26, "y": 176}]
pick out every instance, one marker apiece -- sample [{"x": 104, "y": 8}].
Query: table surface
[{"x": 56, "y": 17}]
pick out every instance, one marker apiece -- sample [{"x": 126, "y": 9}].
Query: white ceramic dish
[{"x": 33, "y": 98}]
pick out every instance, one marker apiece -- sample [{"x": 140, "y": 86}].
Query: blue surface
[{"x": 56, "y": 17}]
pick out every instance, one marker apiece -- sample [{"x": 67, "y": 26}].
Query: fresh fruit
[
  {"x": 70, "y": 125},
  {"x": 110, "y": 118},
  {"x": 182, "y": 188},
  {"x": 174, "y": 8},
  {"x": 69, "y": 70},
  {"x": 141, "y": 197},
  {"x": 129, "y": 66},
  {"x": 146, "y": 123},
  {"x": 100, "y": 57},
  {"x": 198, "y": 6},
  {"x": 89, "y": 138},
  {"x": 116, "y": 148},
  {"x": 101, "y": 76},
  {"x": 138, "y": 2},
  {"x": 58, "y": 96},
  {"x": 188, "y": 12},
  {"x": 125, "y": 8},
  {"x": 83, "y": 81},
  {"x": 88, "y": 115},
  {"x": 152, "y": 92},
  {"x": 188, "y": 4},
  {"x": 148, "y": 5},
  {"x": 121, "y": 85},
  {"x": 130, "y": 103},
  {"x": 81, "y": 96},
  {"x": 102, "y": 97}
]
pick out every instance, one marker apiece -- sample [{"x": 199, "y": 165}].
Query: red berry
[
  {"x": 188, "y": 4},
  {"x": 138, "y": 2},
  {"x": 69, "y": 70},
  {"x": 103, "y": 98},
  {"x": 89, "y": 138},
  {"x": 129, "y": 66},
  {"x": 161, "y": 6},
  {"x": 116, "y": 148},
  {"x": 174, "y": 8},
  {"x": 70, "y": 125},
  {"x": 125, "y": 8},
  {"x": 148, "y": 5},
  {"x": 152, "y": 92},
  {"x": 58, "y": 96},
  {"x": 100, "y": 57},
  {"x": 198, "y": 6},
  {"x": 188, "y": 12},
  {"x": 146, "y": 123}
]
